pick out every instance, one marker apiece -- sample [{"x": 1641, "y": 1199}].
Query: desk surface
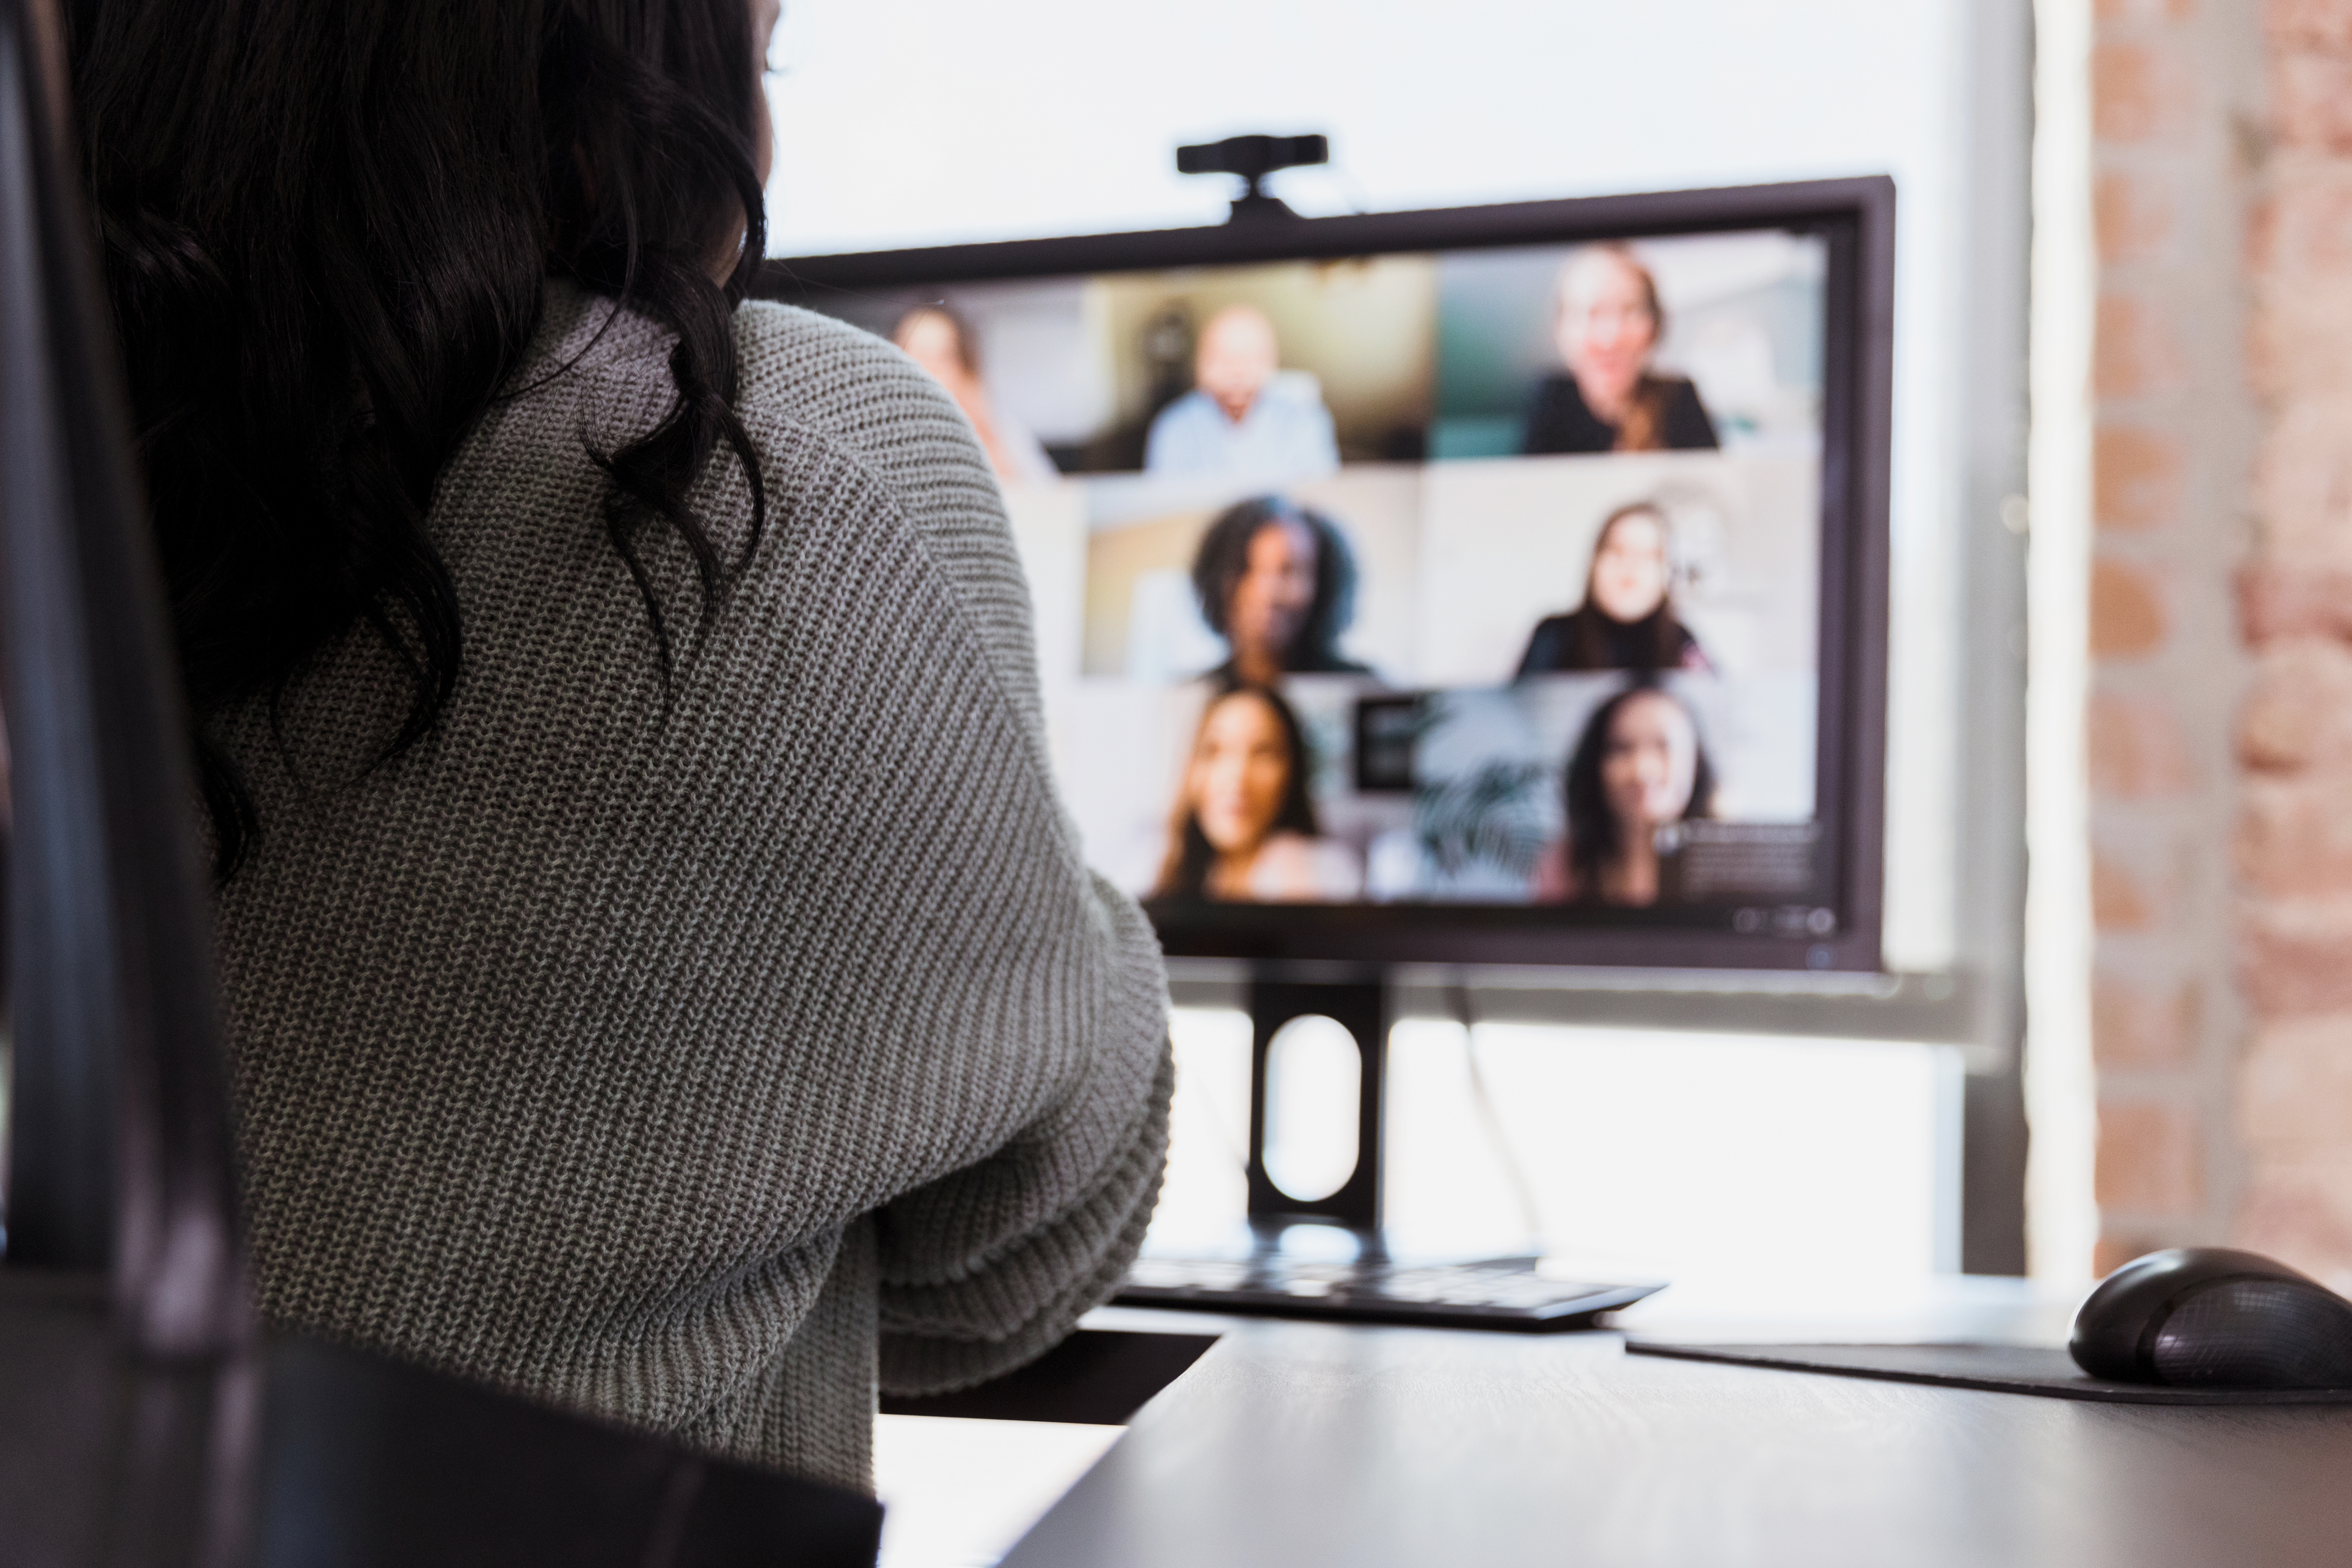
[{"x": 1301, "y": 1444}]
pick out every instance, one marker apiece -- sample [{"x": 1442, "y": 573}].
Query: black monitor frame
[{"x": 1856, "y": 219}]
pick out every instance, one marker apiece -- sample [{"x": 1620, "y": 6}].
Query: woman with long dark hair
[
  {"x": 1243, "y": 826},
  {"x": 1627, "y": 620},
  {"x": 661, "y": 978},
  {"x": 1639, "y": 766},
  {"x": 1277, "y": 582}
]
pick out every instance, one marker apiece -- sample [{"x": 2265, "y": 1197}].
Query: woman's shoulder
[
  {"x": 798, "y": 374},
  {"x": 821, "y": 401},
  {"x": 1688, "y": 425},
  {"x": 1548, "y": 645},
  {"x": 797, "y": 367},
  {"x": 1558, "y": 421},
  {"x": 810, "y": 383},
  {"x": 826, "y": 366}
]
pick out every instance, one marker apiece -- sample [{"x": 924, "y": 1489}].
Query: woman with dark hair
[
  {"x": 1638, "y": 767},
  {"x": 1606, "y": 324},
  {"x": 652, "y": 988},
  {"x": 1627, "y": 620},
  {"x": 1243, "y": 826},
  {"x": 937, "y": 337},
  {"x": 1277, "y": 582}
]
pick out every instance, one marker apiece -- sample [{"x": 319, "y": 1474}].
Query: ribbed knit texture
[{"x": 694, "y": 1058}]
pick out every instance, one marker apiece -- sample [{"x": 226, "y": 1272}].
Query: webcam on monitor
[{"x": 1253, "y": 158}]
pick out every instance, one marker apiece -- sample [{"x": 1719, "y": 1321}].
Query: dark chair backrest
[
  {"x": 120, "y": 1161},
  {"x": 120, "y": 1154}
]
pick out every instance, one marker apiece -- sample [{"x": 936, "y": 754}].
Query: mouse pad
[{"x": 2003, "y": 1369}]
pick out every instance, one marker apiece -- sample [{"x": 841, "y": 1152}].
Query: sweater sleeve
[{"x": 991, "y": 1264}]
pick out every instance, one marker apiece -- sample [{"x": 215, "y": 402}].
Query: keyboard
[{"x": 1491, "y": 1293}]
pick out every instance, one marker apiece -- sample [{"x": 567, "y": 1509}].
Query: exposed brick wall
[
  {"x": 2294, "y": 736},
  {"x": 2176, "y": 90},
  {"x": 2219, "y": 726}
]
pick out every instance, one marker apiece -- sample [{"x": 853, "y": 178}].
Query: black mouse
[{"x": 2206, "y": 1317}]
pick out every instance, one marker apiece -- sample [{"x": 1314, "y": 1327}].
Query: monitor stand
[
  {"x": 1325, "y": 1257},
  {"x": 1361, "y": 1007}
]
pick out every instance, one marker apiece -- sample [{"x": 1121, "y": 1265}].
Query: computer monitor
[{"x": 1498, "y": 585}]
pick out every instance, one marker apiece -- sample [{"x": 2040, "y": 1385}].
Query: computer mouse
[{"x": 2206, "y": 1317}]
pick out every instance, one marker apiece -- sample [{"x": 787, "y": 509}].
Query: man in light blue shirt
[{"x": 1244, "y": 417}]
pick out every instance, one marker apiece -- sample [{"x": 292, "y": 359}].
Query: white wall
[
  {"x": 918, "y": 121},
  {"x": 2061, "y": 1089},
  {"x": 1706, "y": 1158}
]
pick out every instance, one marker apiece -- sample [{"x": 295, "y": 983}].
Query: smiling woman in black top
[{"x": 1607, "y": 325}]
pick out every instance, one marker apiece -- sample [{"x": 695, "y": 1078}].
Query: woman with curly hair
[{"x": 1277, "y": 582}]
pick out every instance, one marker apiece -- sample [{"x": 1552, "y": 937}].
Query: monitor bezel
[{"x": 1856, "y": 217}]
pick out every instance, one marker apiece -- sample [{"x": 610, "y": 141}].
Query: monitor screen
[{"x": 1475, "y": 584}]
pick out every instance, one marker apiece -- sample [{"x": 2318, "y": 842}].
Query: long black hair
[
  {"x": 1184, "y": 874},
  {"x": 1595, "y": 836},
  {"x": 326, "y": 227},
  {"x": 1223, "y": 558}
]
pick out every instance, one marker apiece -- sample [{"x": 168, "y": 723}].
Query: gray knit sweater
[{"x": 696, "y": 1060}]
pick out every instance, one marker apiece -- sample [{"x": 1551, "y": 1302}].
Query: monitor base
[{"x": 1313, "y": 1268}]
